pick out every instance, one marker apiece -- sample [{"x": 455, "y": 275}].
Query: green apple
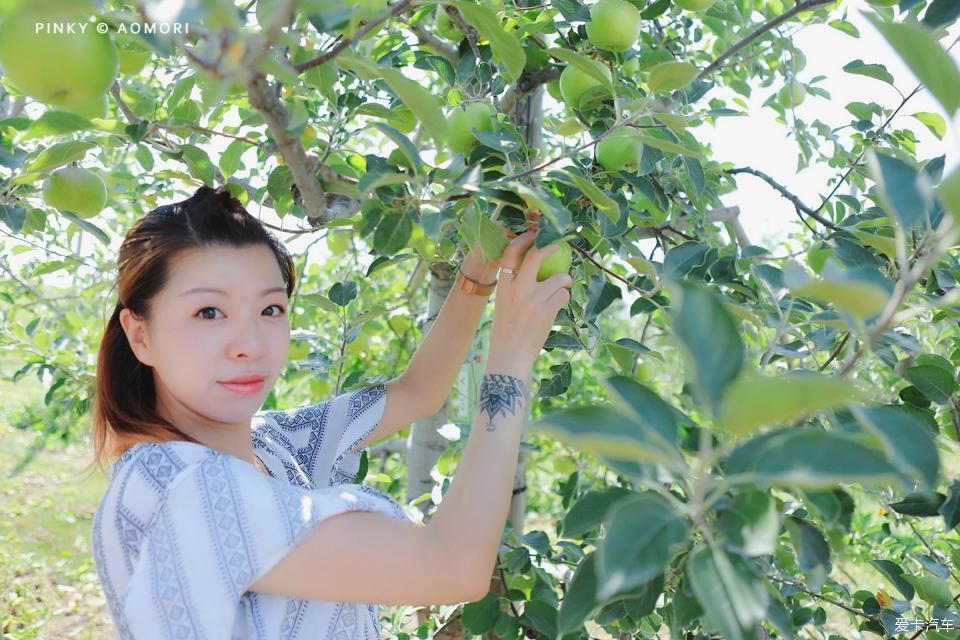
[
  {"x": 614, "y": 25},
  {"x": 445, "y": 27},
  {"x": 792, "y": 94},
  {"x": 694, "y": 5},
  {"x": 574, "y": 84},
  {"x": 557, "y": 262},
  {"x": 620, "y": 150},
  {"x": 463, "y": 119},
  {"x": 57, "y": 67},
  {"x": 77, "y": 190},
  {"x": 96, "y": 108}
]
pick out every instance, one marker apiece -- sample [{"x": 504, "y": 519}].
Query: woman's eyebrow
[{"x": 220, "y": 291}]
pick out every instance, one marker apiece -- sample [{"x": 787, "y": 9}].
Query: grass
[{"x": 50, "y": 584}]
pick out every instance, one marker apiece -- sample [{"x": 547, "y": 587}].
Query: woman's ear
[{"x": 135, "y": 329}]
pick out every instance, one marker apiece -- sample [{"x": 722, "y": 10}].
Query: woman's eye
[
  {"x": 206, "y": 309},
  {"x": 282, "y": 311}
]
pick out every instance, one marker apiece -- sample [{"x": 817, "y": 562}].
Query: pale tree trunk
[
  {"x": 425, "y": 444},
  {"x": 527, "y": 115}
]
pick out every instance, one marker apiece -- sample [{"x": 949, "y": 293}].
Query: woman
[{"x": 219, "y": 519}]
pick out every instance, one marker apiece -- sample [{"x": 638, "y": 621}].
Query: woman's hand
[
  {"x": 478, "y": 268},
  {"x": 525, "y": 309}
]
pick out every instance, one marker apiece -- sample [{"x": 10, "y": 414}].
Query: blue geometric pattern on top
[{"x": 183, "y": 530}]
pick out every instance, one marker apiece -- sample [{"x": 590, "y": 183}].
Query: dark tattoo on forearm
[{"x": 499, "y": 393}]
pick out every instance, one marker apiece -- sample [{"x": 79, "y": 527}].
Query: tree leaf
[
  {"x": 930, "y": 589},
  {"x": 58, "y": 155},
  {"x": 933, "y": 382},
  {"x": 933, "y": 121},
  {"x": 604, "y": 430},
  {"x": 904, "y": 191},
  {"x": 755, "y": 401},
  {"x": 198, "y": 163},
  {"x": 54, "y": 123},
  {"x": 403, "y": 143},
  {"x": 540, "y": 616},
  {"x": 590, "y": 510},
  {"x": 230, "y": 158},
  {"x": 926, "y": 59},
  {"x": 813, "y": 552},
  {"x": 810, "y": 458},
  {"x": 894, "y": 573},
  {"x": 919, "y": 504},
  {"x": 860, "y": 291},
  {"x": 655, "y": 416},
  {"x": 941, "y": 13},
  {"x": 733, "y": 597},
  {"x": 657, "y": 142},
  {"x": 421, "y": 102},
  {"x": 875, "y": 71},
  {"x": 505, "y": 44},
  {"x": 644, "y": 532},
  {"x": 751, "y": 523},
  {"x": 950, "y": 509},
  {"x": 604, "y": 203},
  {"x": 670, "y": 76},
  {"x": 712, "y": 343},
  {"x": 949, "y": 193},
  {"x": 907, "y": 442},
  {"x": 480, "y": 617}
]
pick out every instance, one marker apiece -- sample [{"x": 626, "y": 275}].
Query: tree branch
[
  {"x": 945, "y": 234},
  {"x": 782, "y": 190},
  {"x": 284, "y": 12},
  {"x": 526, "y": 83},
  {"x": 291, "y": 149},
  {"x": 880, "y": 129},
  {"x": 443, "y": 48},
  {"x": 807, "y": 5},
  {"x": 362, "y": 31}
]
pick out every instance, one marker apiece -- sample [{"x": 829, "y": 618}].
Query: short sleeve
[
  {"x": 220, "y": 527},
  {"x": 321, "y": 436}
]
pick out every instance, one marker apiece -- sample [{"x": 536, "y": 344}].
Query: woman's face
[{"x": 196, "y": 339}]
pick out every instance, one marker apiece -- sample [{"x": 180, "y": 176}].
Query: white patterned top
[{"x": 183, "y": 530}]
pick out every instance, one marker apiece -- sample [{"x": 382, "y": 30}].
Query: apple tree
[{"x": 717, "y": 429}]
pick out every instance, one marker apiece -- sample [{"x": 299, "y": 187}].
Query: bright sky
[{"x": 757, "y": 140}]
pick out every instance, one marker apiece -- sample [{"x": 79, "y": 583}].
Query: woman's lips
[{"x": 243, "y": 389}]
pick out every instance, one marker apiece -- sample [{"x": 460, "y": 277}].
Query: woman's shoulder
[{"x": 140, "y": 477}]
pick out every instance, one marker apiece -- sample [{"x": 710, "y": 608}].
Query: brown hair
[{"x": 124, "y": 408}]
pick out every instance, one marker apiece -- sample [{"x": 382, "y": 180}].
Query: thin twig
[
  {"x": 808, "y": 5},
  {"x": 343, "y": 45},
  {"x": 786, "y": 193}
]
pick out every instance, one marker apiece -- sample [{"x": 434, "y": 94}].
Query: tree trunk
[
  {"x": 425, "y": 444},
  {"x": 527, "y": 115}
]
